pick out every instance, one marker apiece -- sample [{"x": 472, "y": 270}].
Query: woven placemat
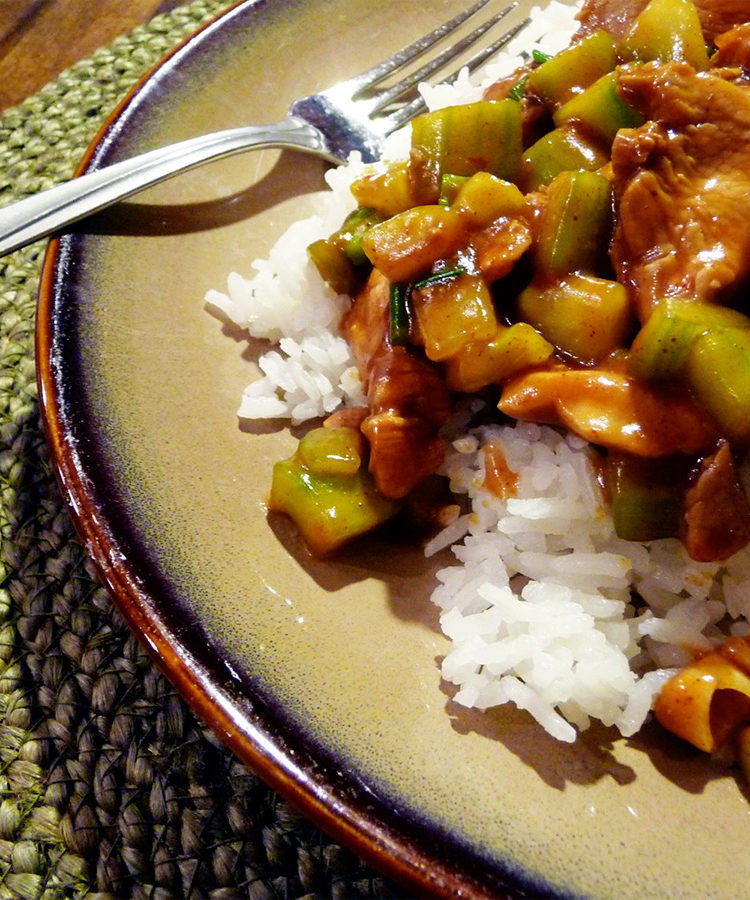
[{"x": 109, "y": 785}]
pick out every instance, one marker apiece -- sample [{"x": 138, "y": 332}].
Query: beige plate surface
[{"x": 324, "y": 676}]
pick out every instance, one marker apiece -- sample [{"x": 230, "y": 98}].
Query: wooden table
[{"x": 40, "y": 38}]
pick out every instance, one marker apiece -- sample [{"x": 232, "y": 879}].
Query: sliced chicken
[
  {"x": 682, "y": 182},
  {"x": 610, "y": 408},
  {"x": 733, "y": 48},
  {"x": 408, "y": 400},
  {"x": 614, "y": 16},
  {"x": 717, "y": 513}
]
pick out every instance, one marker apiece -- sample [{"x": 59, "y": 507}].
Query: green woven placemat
[{"x": 109, "y": 786}]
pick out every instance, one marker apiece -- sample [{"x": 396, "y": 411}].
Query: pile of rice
[{"x": 545, "y": 607}]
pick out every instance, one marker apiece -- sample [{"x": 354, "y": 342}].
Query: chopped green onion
[
  {"x": 439, "y": 278},
  {"x": 539, "y": 57},
  {"x": 517, "y": 91},
  {"x": 400, "y": 317}
]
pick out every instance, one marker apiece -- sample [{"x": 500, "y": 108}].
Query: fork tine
[
  {"x": 382, "y": 69},
  {"x": 449, "y": 54},
  {"x": 490, "y": 50},
  {"x": 407, "y": 112},
  {"x": 351, "y": 117}
]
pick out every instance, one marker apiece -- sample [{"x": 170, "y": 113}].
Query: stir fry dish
[
  {"x": 575, "y": 248},
  {"x": 576, "y": 241}
]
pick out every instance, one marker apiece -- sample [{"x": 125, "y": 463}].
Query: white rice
[
  {"x": 543, "y": 594},
  {"x": 545, "y": 607}
]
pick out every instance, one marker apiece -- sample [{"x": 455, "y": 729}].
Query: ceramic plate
[{"x": 323, "y": 676}]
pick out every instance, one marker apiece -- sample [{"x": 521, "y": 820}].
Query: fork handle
[{"x": 44, "y": 213}]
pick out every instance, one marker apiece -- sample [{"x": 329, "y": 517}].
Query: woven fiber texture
[{"x": 109, "y": 786}]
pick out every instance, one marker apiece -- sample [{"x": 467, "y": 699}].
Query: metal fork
[{"x": 351, "y": 115}]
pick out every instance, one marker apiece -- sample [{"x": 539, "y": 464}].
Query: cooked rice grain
[{"x": 549, "y": 602}]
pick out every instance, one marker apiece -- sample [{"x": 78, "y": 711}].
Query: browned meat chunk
[
  {"x": 408, "y": 404},
  {"x": 617, "y": 16},
  {"x": 499, "y": 246},
  {"x": 365, "y": 326},
  {"x": 610, "y": 408},
  {"x": 614, "y": 16},
  {"x": 683, "y": 186},
  {"x": 347, "y": 417},
  {"x": 718, "y": 16},
  {"x": 734, "y": 48},
  {"x": 408, "y": 401},
  {"x": 717, "y": 514}
]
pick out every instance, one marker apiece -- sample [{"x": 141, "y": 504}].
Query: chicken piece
[
  {"x": 717, "y": 513},
  {"x": 733, "y": 48},
  {"x": 617, "y": 16},
  {"x": 408, "y": 404},
  {"x": 682, "y": 182},
  {"x": 366, "y": 325},
  {"x": 718, "y": 16},
  {"x": 408, "y": 401},
  {"x": 499, "y": 246},
  {"x": 347, "y": 417},
  {"x": 610, "y": 408},
  {"x": 614, "y": 16}
]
